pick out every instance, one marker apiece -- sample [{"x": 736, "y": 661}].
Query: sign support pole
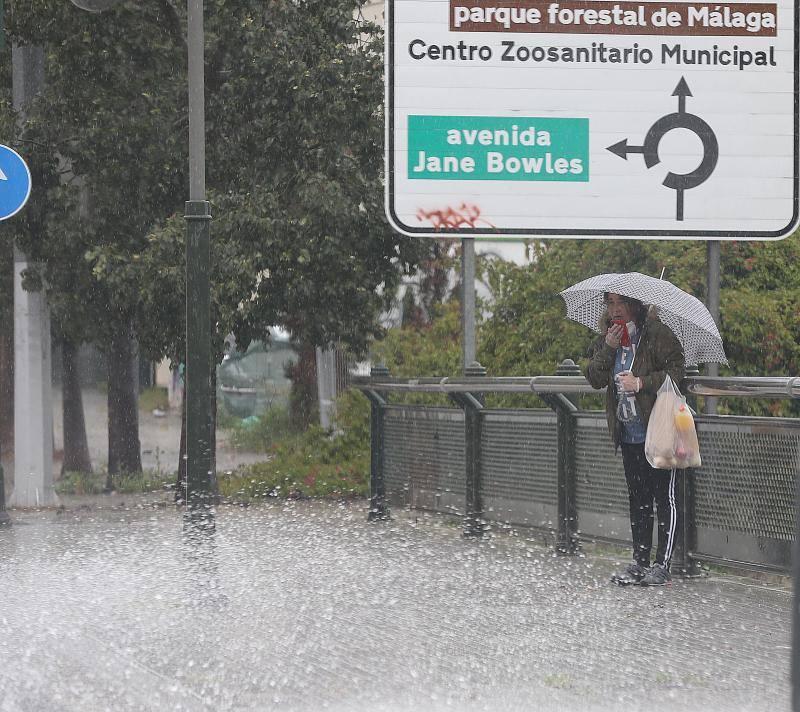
[
  {"x": 468, "y": 301},
  {"x": 33, "y": 396},
  {"x": 712, "y": 299}
]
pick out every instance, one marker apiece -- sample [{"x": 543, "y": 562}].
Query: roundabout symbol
[{"x": 679, "y": 182}]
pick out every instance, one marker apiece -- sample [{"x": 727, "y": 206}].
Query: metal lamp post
[{"x": 199, "y": 477}]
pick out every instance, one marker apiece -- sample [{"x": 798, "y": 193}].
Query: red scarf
[{"x": 626, "y": 337}]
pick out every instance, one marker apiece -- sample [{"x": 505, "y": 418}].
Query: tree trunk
[
  {"x": 124, "y": 450},
  {"x": 76, "y": 447},
  {"x": 303, "y": 398},
  {"x": 7, "y": 380}
]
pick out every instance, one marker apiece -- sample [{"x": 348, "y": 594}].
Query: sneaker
[
  {"x": 634, "y": 572},
  {"x": 657, "y": 575}
]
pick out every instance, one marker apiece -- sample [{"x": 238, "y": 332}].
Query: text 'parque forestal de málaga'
[{"x": 607, "y": 18}]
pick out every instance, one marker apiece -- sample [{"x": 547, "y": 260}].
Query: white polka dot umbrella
[{"x": 684, "y": 314}]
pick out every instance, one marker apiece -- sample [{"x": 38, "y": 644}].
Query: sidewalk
[
  {"x": 160, "y": 438},
  {"x": 110, "y": 605}
]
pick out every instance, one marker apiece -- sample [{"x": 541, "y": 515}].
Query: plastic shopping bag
[{"x": 671, "y": 441}]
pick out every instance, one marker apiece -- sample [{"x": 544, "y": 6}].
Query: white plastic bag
[{"x": 671, "y": 441}]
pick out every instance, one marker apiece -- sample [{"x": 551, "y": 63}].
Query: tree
[
  {"x": 91, "y": 142},
  {"x": 76, "y": 447},
  {"x": 295, "y": 163},
  {"x": 295, "y": 141},
  {"x": 760, "y": 299}
]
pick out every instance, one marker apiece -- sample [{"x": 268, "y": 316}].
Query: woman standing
[{"x": 631, "y": 359}]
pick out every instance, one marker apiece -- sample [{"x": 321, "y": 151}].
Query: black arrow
[
  {"x": 622, "y": 149},
  {"x": 682, "y": 91}
]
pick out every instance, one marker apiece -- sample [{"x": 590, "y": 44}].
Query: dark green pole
[
  {"x": 378, "y": 507},
  {"x": 796, "y": 604},
  {"x": 473, "y": 405},
  {"x": 200, "y": 480},
  {"x": 569, "y": 542},
  {"x": 4, "y": 518},
  {"x": 686, "y": 542}
]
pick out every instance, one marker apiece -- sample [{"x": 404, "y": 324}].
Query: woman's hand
[
  {"x": 629, "y": 382},
  {"x": 614, "y": 335}
]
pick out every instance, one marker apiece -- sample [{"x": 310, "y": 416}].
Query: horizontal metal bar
[
  {"x": 562, "y": 384},
  {"x": 508, "y": 384},
  {"x": 739, "y": 564},
  {"x": 738, "y": 386},
  {"x": 742, "y": 386}
]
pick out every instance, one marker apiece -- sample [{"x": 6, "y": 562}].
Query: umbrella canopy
[{"x": 684, "y": 314}]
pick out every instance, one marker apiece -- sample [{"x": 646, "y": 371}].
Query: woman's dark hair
[{"x": 638, "y": 309}]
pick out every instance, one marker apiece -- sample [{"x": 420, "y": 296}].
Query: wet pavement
[
  {"x": 116, "y": 604},
  {"x": 160, "y": 436}
]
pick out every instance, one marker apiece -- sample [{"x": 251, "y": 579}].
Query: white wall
[{"x": 373, "y": 11}]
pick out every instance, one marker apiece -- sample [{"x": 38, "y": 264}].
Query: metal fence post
[
  {"x": 796, "y": 605},
  {"x": 686, "y": 543},
  {"x": 567, "y": 542},
  {"x": 473, "y": 404},
  {"x": 378, "y": 508}
]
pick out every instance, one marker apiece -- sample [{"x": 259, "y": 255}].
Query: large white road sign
[{"x": 592, "y": 118}]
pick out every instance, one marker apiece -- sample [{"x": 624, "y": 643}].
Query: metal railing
[{"x": 555, "y": 470}]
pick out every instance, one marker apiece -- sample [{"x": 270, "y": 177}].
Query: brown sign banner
[{"x": 615, "y": 18}]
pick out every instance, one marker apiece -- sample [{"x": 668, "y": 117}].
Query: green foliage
[
  {"x": 83, "y": 483},
  {"x": 225, "y": 419},
  {"x": 80, "y": 483},
  {"x": 428, "y": 348},
  {"x": 294, "y": 156},
  {"x": 760, "y": 302},
  {"x": 101, "y": 179},
  {"x": 259, "y": 433},
  {"x": 527, "y": 333},
  {"x": 431, "y": 349},
  {"x": 312, "y": 464}
]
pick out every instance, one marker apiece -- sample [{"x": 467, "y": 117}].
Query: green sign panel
[{"x": 518, "y": 148}]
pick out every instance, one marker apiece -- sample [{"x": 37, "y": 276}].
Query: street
[{"x": 112, "y": 604}]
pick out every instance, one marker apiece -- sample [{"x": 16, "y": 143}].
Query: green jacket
[{"x": 659, "y": 352}]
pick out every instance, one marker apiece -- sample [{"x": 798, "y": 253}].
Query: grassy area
[
  {"x": 152, "y": 398},
  {"x": 80, "y": 483},
  {"x": 315, "y": 463},
  {"x": 258, "y": 433}
]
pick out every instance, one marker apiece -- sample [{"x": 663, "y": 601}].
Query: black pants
[{"x": 645, "y": 486}]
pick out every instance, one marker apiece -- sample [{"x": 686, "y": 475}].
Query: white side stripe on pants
[{"x": 673, "y": 519}]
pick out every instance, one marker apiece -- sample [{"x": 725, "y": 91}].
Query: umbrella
[{"x": 684, "y": 314}]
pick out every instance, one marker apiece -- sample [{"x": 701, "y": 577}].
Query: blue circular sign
[{"x": 15, "y": 182}]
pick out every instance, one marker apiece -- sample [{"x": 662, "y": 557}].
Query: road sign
[
  {"x": 593, "y": 118},
  {"x": 15, "y": 182}
]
